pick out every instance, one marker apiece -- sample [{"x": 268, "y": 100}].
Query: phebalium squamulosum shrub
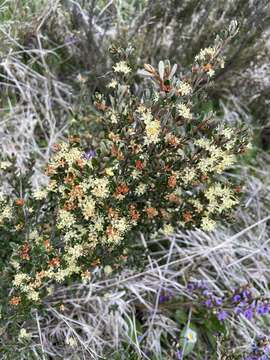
[{"x": 160, "y": 163}]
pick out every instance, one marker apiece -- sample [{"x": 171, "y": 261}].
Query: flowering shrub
[{"x": 159, "y": 163}]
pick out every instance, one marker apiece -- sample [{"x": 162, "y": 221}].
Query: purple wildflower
[
  {"x": 179, "y": 354},
  {"x": 191, "y": 286},
  {"x": 164, "y": 298},
  {"x": 248, "y": 313},
  {"x": 222, "y": 315},
  {"x": 87, "y": 155},
  {"x": 242, "y": 304},
  {"x": 139, "y": 338},
  {"x": 236, "y": 298},
  {"x": 218, "y": 301},
  {"x": 206, "y": 292},
  {"x": 208, "y": 303},
  {"x": 262, "y": 308},
  {"x": 246, "y": 293},
  {"x": 237, "y": 310}
]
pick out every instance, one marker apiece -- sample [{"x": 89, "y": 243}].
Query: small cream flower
[
  {"x": 24, "y": 335},
  {"x": 122, "y": 67},
  {"x": 108, "y": 269},
  {"x": 40, "y": 194},
  {"x": 205, "y": 53},
  {"x": 184, "y": 88},
  {"x": 71, "y": 341},
  {"x": 167, "y": 229},
  {"x": 88, "y": 208},
  {"x": 20, "y": 278},
  {"x": 184, "y": 111},
  {"x": 100, "y": 188},
  {"x": 32, "y": 295},
  {"x": 4, "y": 165},
  {"x": 112, "y": 84},
  {"x": 109, "y": 171},
  {"x": 65, "y": 219},
  {"x": 207, "y": 224},
  {"x": 140, "y": 190},
  {"x": 211, "y": 73},
  {"x": 152, "y": 130}
]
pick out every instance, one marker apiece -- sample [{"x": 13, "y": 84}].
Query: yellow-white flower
[
  {"x": 6, "y": 213},
  {"x": 207, "y": 224},
  {"x": 99, "y": 221},
  {"x": 187, "y": 175},
  {"x": 211, "y": 73},
  {"x": 24, "y": 335},
  {"x": 122, "y": 67},
  {"x": 205, "y": 53},
  {"x": 40, "y": 194},
  {"x": 20, "y": 278},
  {"x": 224, "y": 163},
  {"x": 108, "y": 269},
  {"x": 32, "y": 295},
  {"x": 65, "y": 219},
  {"x": 146, "y": 114},
  {"x": 228, "y": 133},
  {"x": 71, "y": 341},
  {"x": 74, "y": 252},
  {"x": 88, "y": 207},
  {"x": 167, "y": 229},
  {"x": 109, "y": 171},
  {"x": 4, "y": 165},
  {"x": 113, "y": 118},
  {"x": 101, "y": 188},
  {"x": 223, "y": 194},
  {"x": 184, "y": 111},
  {"x": 184, "y": 88},
  {"x": 52, "y": 186},
  {"x": 140, "y": 190},
  {"x": 15, "y": 264},
  {"x": 112, "y": 84},
  {"x": 203, "y": 143},
  {"x": 121, "y": 225},
  {"x": 152, "y": 130}
]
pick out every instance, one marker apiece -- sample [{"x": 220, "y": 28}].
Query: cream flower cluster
[
  {"x": 184, "y": 88},
  {"x": 5, "y": 209},
  {"x": 220, "y": 198},
  {"x": 206, "y": 54},
  {"x": 217, "y": 159},
  {"x": 184, "y": 111},
  {"x": 152, "y": 126},
  {"x": 122, "y": 67},
  {"x": 209, "y": 59},
  {"x": 152, "y": 130}
]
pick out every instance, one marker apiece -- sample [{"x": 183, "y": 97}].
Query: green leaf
[
  {"x": 161, "y": 69},
  {"x": 214, "y": 325},
  {"x": 181, "y": 316}
]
